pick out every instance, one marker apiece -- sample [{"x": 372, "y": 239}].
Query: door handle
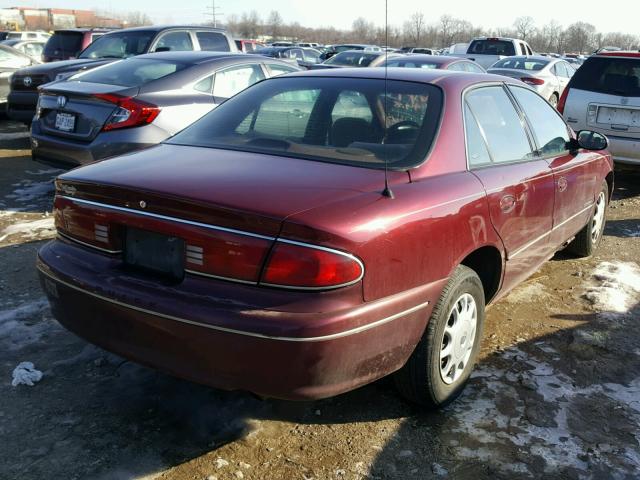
[{"x": 507, "y": 203}]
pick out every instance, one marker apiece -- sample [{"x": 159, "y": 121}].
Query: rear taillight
[
  {"x": 130, "y": 112},
  {"x": 226, "y": 255},
  {"x": 299, "y": 266},
  {"x": 563, "y": 100},
  {"x": 532, "y": 81}
]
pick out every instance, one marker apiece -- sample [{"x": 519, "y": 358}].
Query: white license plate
[
  {"x": 619, "y": 116},
  {"x": 65, "y": 122}
]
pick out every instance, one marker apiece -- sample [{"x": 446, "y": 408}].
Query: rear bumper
[
  {"x": 275, "y": 343},
  {"x": 21, "y": 106},
  {"x": 625, "y": 150},
  {"x": 61, "y": 151}
]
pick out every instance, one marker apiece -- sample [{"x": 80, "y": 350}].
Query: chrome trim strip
[
  {"x": 522, "y": 249},
  {"x": 218, "y": 277},
  {"x": 332, "y": 336},
  {"x": 71, "y": 239},
  {"x": 167, "y": 218}
]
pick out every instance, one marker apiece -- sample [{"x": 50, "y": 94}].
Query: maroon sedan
[{"x": 259, "y": 249}]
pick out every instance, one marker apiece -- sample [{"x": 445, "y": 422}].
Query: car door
[
  {"x": 519, "y": 186},
  {"x": 574, "y": 172}
]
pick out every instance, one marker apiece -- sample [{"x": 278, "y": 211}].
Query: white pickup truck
[{"x": 488, "y": 50}]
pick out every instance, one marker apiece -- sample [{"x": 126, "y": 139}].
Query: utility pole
[{"x": 212, "y": 11}]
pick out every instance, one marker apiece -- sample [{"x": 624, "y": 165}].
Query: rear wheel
[
  {"x": 588, "y": 239},
  {"x": 553, "y": 100},
  {"x": 441, "y": 363}
]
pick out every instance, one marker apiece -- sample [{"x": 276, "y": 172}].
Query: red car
[{"x": 259, "y": 249}]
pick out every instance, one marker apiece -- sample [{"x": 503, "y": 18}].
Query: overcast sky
[{"x": 340, "y": 13}]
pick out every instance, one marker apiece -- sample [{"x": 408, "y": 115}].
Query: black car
[
  {"x": 302, "y": 56},
  {"x": 111, "y": 46}
]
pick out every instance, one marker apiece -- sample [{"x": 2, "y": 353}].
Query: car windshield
[
  {"x": 521, "y": 64},
  {"x": 492, "y": 47},
  {"x": 352, "y": 59},
  {"x": 611, "y": 75},
  {"x": 64, "y": 43},
  {"x": 336, "y": 120},
  {"x": 132, "y": 72},
  {"x": 119, "y": 45}
]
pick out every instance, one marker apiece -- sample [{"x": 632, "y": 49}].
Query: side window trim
[
  {"x": 524, "y": 121},
  {"x": 537, "y": 151}
]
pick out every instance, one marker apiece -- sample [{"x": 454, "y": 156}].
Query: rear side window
[
  {"x": 476, "y": 147},
  {"x": 492, "y": 47},
  {"x": 132, "y": 72},
  {"x": 501, "y": 124},
  {"x": 175, "y": 42},
  {"x": 277, "y": 69},
  {"x": 233, "y": 80},
  {"x": 213, "y": 42},
  {"x": 64, "y": 44},
  {"x": 610, "y": 75},
  {"x": 549, "y": 129}
]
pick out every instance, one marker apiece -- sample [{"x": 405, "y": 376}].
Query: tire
[
  {"x": 553, "y": 100},
  {"x": 588, "y": 239},
  {"x": 422, "y": 380}
]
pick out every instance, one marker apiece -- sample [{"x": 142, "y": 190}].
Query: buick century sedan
[{"x": 321, "y": 230}]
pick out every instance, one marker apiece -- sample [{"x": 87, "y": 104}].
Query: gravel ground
[{"x": 556, "y": 393}]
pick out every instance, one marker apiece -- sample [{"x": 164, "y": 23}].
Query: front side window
[
  {"x": 550, "y": 131},
  {"x": 174, "y": 42},
  {"x": 497, "y": 117},
  {"x": 338, "y": 120},
  {"x": 233, "y": 80}
]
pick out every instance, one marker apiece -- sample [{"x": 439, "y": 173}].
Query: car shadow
[{"x": 627, "y": 182}]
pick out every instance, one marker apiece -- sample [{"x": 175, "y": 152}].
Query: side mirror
[{"x": 590, "y": 140}]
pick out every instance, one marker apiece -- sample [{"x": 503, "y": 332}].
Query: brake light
[
  {"x": 300, "y": 266},
  {"x": 130, "y": 112},
  {"x": 563, "y": 100},
  {"x": 226, "y": 255},
  {"x": 532, "y": 81}
]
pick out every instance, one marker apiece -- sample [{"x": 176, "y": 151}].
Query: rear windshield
[
  {"x": 492, "y": 47},
  {"x": 133, "y": 72},
  {"x": 521, "y": 64},
  {"x": 611, "y": 75},
  {"x": 119, "y": 45},
  {"x": 336, "y": 120},
  {"x": 352, "y": 59},
  {"x": 64, "y": 44}
]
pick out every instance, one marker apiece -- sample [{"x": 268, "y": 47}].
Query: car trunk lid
[
  {"x": 72, "y": 109},
  {"x": 244, "y": 191}
]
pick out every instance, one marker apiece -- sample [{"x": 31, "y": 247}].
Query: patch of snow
[
  {"x": 29, "y": 190},
  {"x": 617, "y": 286},
  {"x": 14, "y": 136},
  {"x": 221, "y": 462},
  {"x": 26, "y": 374},
  {"x": 439, "y": 470},
  {"x": 24, "y": 325},
  {"x": 34, "y": 229}
]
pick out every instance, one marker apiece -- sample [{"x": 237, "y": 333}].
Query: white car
[
  {"x": 604, "y": 96},
  {"x": 28, "y": 36},
  {"x": 548, "y": 76}
]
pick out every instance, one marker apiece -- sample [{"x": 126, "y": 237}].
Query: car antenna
[{"x": 387, "y": 191}]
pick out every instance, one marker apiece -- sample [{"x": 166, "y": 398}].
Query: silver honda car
[
  {"x": 548, "y": 76},
  {"x": 138, "y": 102}
]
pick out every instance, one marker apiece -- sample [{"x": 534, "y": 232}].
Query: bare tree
[
  {"x": 414, "y": 29},
  {"x": 362, "y": 29},
  {"x": 249, "y": 24},
  {"x": 524, "y": 27},
  {"x": 274, "y": 25},
  {"x": 581, "y": 37}
]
